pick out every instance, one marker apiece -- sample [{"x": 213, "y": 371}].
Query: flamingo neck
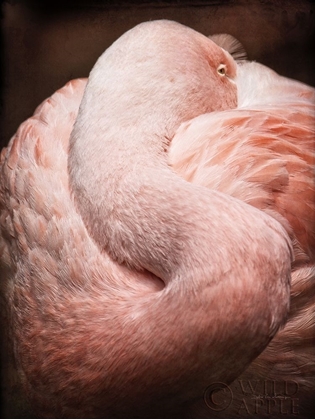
[{"x": 211, "y": 251}]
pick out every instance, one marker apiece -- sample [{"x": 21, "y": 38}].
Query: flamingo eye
[{"x": 222, "y": 69}]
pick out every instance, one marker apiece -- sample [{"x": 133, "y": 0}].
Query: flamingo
[{"x": 129, "y": 288}]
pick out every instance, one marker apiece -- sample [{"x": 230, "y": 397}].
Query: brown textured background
[{"x": 45, "y": 46}]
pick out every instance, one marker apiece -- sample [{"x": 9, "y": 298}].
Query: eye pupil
[{"x": 222, "y": 69}]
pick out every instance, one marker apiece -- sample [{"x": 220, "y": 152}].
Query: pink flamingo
[{"x": 129, "y": 289}]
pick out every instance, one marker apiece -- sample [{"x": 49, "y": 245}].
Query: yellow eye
[{"x": 222, "y": 69}]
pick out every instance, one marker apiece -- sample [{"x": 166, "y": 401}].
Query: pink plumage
[{"x": 130, "y": 290}]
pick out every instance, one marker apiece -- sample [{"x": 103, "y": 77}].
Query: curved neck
[
  {"x": 211, "y": 251},
  {"x": 223, "y": 285}
]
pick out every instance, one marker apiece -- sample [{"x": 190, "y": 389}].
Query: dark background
[{"x": 46, "y": 43}]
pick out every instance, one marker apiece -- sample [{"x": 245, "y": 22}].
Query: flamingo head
[{"x": 161, "y": 73}]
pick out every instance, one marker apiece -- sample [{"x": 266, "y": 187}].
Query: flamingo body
[
  {"x": 266, "y": 146},
  {"x": 118, "y": 309}
]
